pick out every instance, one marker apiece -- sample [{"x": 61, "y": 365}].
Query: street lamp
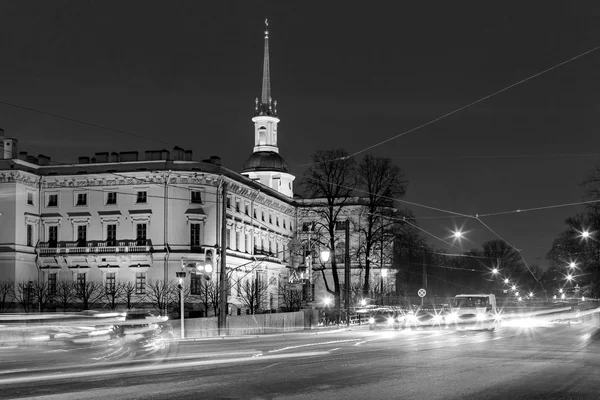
[
  {"x": 572, "y": 264},
  {"x": 514, "y": 287},
  {"x": 494, "y": 271},
  {"x": 506, "y": 281},
  {"x": 181, "y": 276},
  {"x": 569, "y": 277}
]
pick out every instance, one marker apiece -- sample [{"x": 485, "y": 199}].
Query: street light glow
[
  {"x": 325, "y": 255},
  {"x": 495, "y": 271},
  {"x": 572, "y": 264},
  {"x": 569, "y": 277},
  {"x": 530, "y": 294},
  {"x": 506, "y": 280},
  {"x": 585, "y": 234},
  {"x": 514, "y": 287},
  {"x": 560, "y": 290},
  {"x": 457, "y": 234}
]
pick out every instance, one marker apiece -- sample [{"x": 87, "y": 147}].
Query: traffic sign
[{"x": 421, "y": 292}]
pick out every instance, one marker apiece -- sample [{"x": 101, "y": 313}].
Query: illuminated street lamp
[
  {"x": 495, "y": 271},
  {"x": 457, "y": 234},
  {"x": 506, "y": 281},
  {"x": 572, "y": 264},
  {"x": 562, "y": 296},
  {"x": 363, "y": 302},
  {"x": 560, "y": 290},
  {"x": 585, "y": 234},
  {"x": 514, "y": 287},
  {"x": 531, "y": 294},
  {"x": 327, "y": 301},
  {"x": 569, "y": 277}
]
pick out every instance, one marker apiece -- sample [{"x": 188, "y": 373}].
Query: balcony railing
[{"x": 95, "y": 246}]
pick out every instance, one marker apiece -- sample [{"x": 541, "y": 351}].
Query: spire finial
[
  {"x": 266, "y": 84},
  {"x": 266, "y": 28}
]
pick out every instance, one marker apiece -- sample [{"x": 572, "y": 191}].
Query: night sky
[{"x": 345, "y": 74}]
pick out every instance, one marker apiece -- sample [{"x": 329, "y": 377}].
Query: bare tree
[
  {"x": 42, "y": 295},
  {"x": 25, "y": 295},
  {"x": 129, "y": 296},
  {"x": 254, "y": 293},
  {"x": 330, "y": 182},
  {"x": 89, "y": 293},
  {"x": 112, "y": 294},
  {"x": 290, "y": 299},
  {"x": 65, "y": 293},
  {"x": 6, "y": 295},
  {"x": 214, "y": 294},
  {"x": 159, "y": 294},
  {"x": 383, "y": 182},
  {"x": 204, "y": 295}
]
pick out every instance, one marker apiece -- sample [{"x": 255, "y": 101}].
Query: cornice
[{"x": 22, "y": 177}]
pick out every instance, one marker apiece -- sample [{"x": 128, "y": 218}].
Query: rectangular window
[
  {"x": 237, "y": 205},
  {"x": 140, "y": 234},
  {"x": 307, "y": 226},
  {"x": 270, "y": 247},
  {"x": 81, "y": 199},
  {"x": 29, "y": 235},
  {"x": 238, "y": 241},
  {"x": 80, "y": 281},
  {"x": 196, "y": 197},
  {"x": 111, "y": 198},
  {"x": 51, "y": 284},
  {"x": 254, "y": 213},
  {"x": 340, "y": 225},
  {"x": 284, "y": 224},
  {"x": 81, "y": 235},
  {"x": 270, "y": 218},
  {"x": 277, "y": 221},
  {"x": 52, "y": 236},
  {"x": 140, "y": 283},
  {"x": 111, "y": 235},
  {"x": 262, "y": 215},
  {"x": 195, "y": 235},
  {"x": 29, "y": 198},
  {"x": 228, "y": 202},
  {"x": 111, "y": 282},
  {"x": 247, "y": 209},
  {"x": 228, "y": 238},
  {"x": 196, "y": 284},
  {"x": 52, "y": 200},
  {"x": 277, "y": 249},
  {"x": 142, "y": 197},
  {"x": 247, "y": 243}
]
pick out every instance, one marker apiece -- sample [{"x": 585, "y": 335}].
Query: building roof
[{"x": 265, "y": 161}]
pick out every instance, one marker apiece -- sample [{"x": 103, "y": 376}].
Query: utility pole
[
  {"x": 424, "y": 275},
  {"x": 347, "y": 272},
  {"x": 222, "y": 320}
]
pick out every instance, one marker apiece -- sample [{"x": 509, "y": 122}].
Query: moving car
[{"x": 385, "y": 317}]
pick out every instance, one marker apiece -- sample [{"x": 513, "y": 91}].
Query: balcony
[{"x": 95, "y": 247}]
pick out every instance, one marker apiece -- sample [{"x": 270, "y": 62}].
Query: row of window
[
  {"x": 310, "y": 226},
  {"x": 263, "y": 214},
  {"x": 110, "y": 282},
  {"x": 235, "y": 241},
  {"x": 110, "y": 198},
  {"x": 141, "y": 230}
]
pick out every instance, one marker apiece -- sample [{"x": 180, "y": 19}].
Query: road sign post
[{"x": 422, "y": 293}]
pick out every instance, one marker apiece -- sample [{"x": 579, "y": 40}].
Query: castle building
[{"x": 124, "y": 218}]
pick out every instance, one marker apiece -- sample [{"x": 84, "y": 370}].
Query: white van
[{"x": 479, "y": 309}]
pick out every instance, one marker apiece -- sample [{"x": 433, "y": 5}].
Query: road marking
[
  {"x": 157, "y": 367},
  {"x": 313, "y": 344}
]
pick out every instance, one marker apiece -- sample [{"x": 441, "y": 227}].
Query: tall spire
[
  {"x": 266, "y": 81},
  {"x": 266, "y": 105}
]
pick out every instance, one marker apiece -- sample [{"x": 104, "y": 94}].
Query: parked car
[{"x": 385, "y": 317}]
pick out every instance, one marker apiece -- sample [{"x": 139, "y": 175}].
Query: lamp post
[{"x": 181, "y": 276}]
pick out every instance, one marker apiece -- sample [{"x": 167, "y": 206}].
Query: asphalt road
[{"x": 548, "y": 361}]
